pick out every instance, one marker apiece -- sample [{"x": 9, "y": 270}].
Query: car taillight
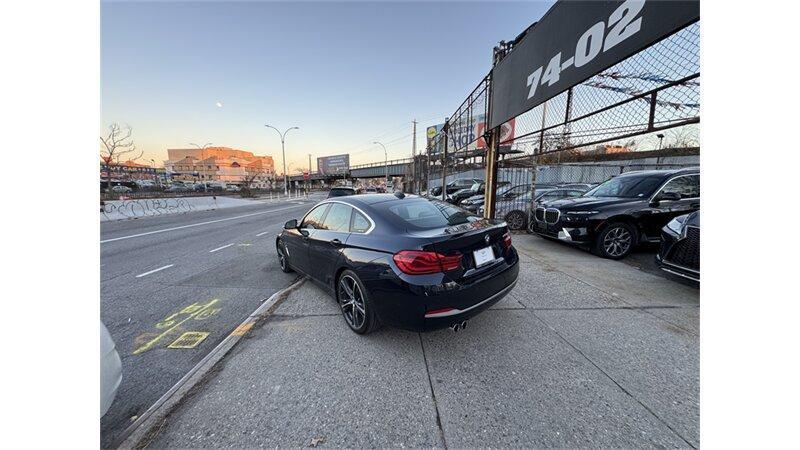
[
  {"x": 507, "y": 240},
  {"x": 414, "y": 262}
]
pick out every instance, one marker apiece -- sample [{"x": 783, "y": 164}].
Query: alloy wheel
[
  {"x": 282, "y": 259},
  {"x": 617, "y": 241},
  {"x": 351, "y": 300},
  {"x": 515, "y": 220}
]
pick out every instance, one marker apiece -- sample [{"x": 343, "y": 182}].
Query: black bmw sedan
[{"x": 404, "y": 261}]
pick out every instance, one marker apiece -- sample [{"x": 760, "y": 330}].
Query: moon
[{"x": 219, "y": 104}]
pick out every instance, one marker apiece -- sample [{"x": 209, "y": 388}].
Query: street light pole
[
  {"x": 385, "y": 162},
  {"x": 283, "y": 151},
  {"x": 205, "y": 146}
]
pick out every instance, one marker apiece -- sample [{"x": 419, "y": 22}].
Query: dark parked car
[
  {"x": 476, "y": 189},
  {"x": 179, "y": 187},
  {"x": 455, "y": 185},
  {"x": 515, "y": 210},
  {"x": 680, "y": 246},
  {"x": 341, "y": 191},
  {"x": 405, "y": 261},
  {"x": 623, "y": 212},
  {"x": 504, "y": 192}
]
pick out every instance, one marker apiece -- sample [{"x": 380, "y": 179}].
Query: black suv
[{"x": 624, "y": 211}]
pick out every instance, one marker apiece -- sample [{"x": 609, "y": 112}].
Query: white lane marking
[
  {"x": 154, "y": 271},
  {"x": 261, "y": 234},
  {"x": 220, "y": 248},
  {"x": 194, "y": 225}
]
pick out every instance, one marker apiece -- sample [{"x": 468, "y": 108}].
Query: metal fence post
[
  {"x": 445, "y": 129},
  {"x": 491, "y": 174}
]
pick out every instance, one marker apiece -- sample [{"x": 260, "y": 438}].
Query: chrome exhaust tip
[
  {"x": 455, "y": 327},
  {"x": 464, "y": 325}
]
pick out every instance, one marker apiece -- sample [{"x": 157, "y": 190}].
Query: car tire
[
  {"x": 283, "y": 260},
  {"x": 356, "y": 304},
  {"x": 516, "y": 220},
  {"x": 615, "y": 241}
]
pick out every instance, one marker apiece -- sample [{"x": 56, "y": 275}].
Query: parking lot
[{"x": 584, "y": 352}]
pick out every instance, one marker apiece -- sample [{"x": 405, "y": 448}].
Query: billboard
[
  {"x": 464, "y": 133},
  {"x": 333, "y": 165},
  {"x": 576, "y": 40}
]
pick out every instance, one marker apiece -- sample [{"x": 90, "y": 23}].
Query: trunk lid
[{"x": 466, "y": 239}]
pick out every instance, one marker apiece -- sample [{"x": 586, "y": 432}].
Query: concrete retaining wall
[{"x": 136, "y": 208}]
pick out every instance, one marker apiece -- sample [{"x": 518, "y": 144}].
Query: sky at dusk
[{"x": 346, "y": 73}]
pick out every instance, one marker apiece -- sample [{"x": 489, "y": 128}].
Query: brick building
[{"x": 219, "y": 164}]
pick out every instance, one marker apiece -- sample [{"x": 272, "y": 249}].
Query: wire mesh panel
[{"x": 654, "y": 90}]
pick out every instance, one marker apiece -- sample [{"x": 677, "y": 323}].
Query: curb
[{"x": 147, "y": 426}]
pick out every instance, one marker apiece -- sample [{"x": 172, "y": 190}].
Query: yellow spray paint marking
[
  {"x": 197, "y": 311},
  {"x": 190, "y": 339},
  {"x": 242, "y": 329}
]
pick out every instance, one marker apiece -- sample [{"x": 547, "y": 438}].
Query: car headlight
[{"x": 676, "y": 224}]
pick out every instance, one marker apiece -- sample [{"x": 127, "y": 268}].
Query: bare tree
[
  {"x": 682, "y": 137},
  {"x": 250, "y": 176},
  {"x": 116, "y": 144}
]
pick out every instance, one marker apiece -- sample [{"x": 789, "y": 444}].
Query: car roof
[{"x": 661, "y": 172}]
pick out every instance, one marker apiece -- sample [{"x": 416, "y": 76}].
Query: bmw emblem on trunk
[{"x": 487, "y": 238}]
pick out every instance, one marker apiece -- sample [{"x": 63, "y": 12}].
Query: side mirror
[
  {"x": 665, "y": 196},
  {"x": 669, "y": 196},
  {"x": 290, "y": 225}
]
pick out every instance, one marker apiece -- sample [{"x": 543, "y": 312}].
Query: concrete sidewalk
[{"x": 584, "y": 352}]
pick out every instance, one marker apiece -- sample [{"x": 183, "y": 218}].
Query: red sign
[
  {"x": 305, "y": 175},
  {"x": 506, "y": 133}
]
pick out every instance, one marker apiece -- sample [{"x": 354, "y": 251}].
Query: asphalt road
[{"x": 161, "y": 277}]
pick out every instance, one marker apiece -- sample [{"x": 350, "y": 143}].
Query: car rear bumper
[{"x": 431, "y": 307}]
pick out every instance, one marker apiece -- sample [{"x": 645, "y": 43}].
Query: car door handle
[{"x": 336, "y": 242}]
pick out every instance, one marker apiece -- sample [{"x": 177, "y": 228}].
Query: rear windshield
[
  {"x": 339, "y": 192},
  {"x": 430, "y": 214}
]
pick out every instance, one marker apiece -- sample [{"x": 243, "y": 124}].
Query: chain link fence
[{"x": 628, "y": 107}]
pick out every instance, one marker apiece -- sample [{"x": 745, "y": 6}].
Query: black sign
[
  {"x": 333, "y": 165},
  {"x": 574, "y": 41}
]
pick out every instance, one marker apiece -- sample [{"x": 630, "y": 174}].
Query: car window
[
  {"x": 687, "y": 186},
  {"x": 338, "y": 218},
  {"x": 574, "y": 193},
  {"x": 431, "y": 214},
  {"x": 518, "y": 190},
  {"x": 313, "y": 219},
  {"x": 360, "y": 223},
  {"x": 553, "y": 194}
]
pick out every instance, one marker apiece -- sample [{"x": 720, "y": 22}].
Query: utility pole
[
  {"x": 308, "y": 182},
  {"x": 415, "y": 186},
  {"x": 283, "y": 150}
]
